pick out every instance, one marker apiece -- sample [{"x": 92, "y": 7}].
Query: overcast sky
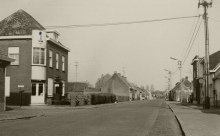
[{"x": 143, "y": 49}]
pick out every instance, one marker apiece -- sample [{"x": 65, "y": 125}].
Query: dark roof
[
  {"x": 214, "y": 60},
  {"x": 92, "y": 90},
  {"x": 77, "y": 86},
  {"x": 4, "y": 56},
  {"x": 19, "y": 23}
]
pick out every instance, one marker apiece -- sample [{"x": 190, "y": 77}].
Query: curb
[
  {"x": 181, "y": 128},
  {"x": 17, "y": 118}
]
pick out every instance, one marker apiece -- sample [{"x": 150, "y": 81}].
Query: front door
[{"x": 37, "y": 95}]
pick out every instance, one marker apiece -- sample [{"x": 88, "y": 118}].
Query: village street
[{"x": 138, "y": 118}]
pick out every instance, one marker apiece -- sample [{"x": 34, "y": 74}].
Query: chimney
[
  {"x": 115, "y": 72},
  {"x": 186, "y": 78},
  {"x": 53, "y": 34}
]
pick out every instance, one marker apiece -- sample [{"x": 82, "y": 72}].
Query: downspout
[{"x": 4, "y": 93}]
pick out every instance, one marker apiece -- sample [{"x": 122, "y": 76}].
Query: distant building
[
  {"x": 41, "y": 61},
  {"x": 119, "y": 86},
  {"x": 4, "y": 62},
  {"x": 102, "y": 81},
  {"x": 81, "y": 88},
  {"x": 177, "y": 94}
]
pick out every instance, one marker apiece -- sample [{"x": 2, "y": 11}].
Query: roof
[
  {"x": 92, "y": 90},
  {"x": 214, "y": 60},
  {"x": 19, "y": 23},
  {"x": 124, "y": 80},
  {"x": 58, "y": 44},
  {"x": 4, "y": 56},
  {"x": 77, "y": 86}
]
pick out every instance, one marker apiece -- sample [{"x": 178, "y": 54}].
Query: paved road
[{"x": 139, "y": 118}]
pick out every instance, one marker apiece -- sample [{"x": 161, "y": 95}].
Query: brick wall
[
  {"x": 53, "y": 72},
  {"x": 19, "y": 74}
]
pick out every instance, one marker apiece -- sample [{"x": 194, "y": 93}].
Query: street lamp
[
  {"x": 168, "y": 84},
  {"x": 180, "y": 66},
  {"x": 170, "y": 78}
]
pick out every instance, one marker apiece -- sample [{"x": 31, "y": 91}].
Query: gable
[{"x": 19, "y": 23}]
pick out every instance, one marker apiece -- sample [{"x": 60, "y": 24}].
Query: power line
[
  {"x": 192, "y": 42},
  {"x": 119, "y": 23},
  {"x": 191, "y": 30},
  {"x": 191, "y": 39},
  {"x": 214, "y": 19}
]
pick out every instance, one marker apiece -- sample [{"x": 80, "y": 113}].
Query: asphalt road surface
[{"x": 139, "y": 118}]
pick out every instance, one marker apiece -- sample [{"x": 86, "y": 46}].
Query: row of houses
[
  {"x": 195, "y": 91},
  {"x": 181, "y": 91},
  {"x": 34, "y": 67},
  {"x": 115, "y": 84},
  {"x": 214, "y": 79},
  {"x": 38, "y": 72}
]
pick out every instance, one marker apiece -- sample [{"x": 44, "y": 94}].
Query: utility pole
[
  {"x": 76, "y": 69},
  {"x": 169, "y": 79},
  {"x": 206, "y": 5},
  {"x": 181, "y": 83}
]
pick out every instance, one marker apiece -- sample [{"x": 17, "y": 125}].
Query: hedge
[{"x": 102, "y": 98}]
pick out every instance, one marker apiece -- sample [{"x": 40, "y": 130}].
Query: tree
[
  {"x": 152, "y": 88},
  {"x": 147, "y": 88}
]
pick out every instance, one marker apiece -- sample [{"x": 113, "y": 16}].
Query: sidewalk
[
  {"x": 25, "y": 112},
  {"x": 196, "y": 121}
]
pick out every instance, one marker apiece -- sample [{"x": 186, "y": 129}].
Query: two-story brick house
[{"x": 41, "y": 61}]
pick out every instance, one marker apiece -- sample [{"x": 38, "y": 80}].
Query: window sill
[{"x": 39, "y": 65}]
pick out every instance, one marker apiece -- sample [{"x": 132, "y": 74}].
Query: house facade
[
  {"x": 119, "y": 86},
  {"x": 40, "y": 68},
  {"x": 4, "y": 62},
  {"x": 214, "y": 83},
  {"x": 178, "y": 94}
]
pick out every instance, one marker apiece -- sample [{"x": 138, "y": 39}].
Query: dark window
[
  {"x": 40, "y": 92},
  {"x": 33, "y": 89}
]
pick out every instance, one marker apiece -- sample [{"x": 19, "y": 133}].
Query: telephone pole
[
  {"x": 76, "y": 69},
  {"x": 206, "y": 5},
  {"x": 181, "y": 83}
]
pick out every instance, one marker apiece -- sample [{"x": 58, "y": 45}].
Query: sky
[{"x": 144, "y": 49}]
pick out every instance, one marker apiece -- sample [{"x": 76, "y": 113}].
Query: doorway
[{"x": 38, "y": 93}]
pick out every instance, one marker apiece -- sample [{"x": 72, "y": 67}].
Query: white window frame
[
  {"x": 39, "y": 56},
  {"x": 63, "y": 88},
  {"x": 14, "y": 51},
  {"x": 50, "y": 58},
  {"x": 63, "y": 63},
  {"x": 7, "y": 86},
  {"x": 57, "y": 61},
  {"x": 50, "y": 87}
]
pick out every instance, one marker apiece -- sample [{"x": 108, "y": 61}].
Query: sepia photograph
[{"x": 109, "y": 67}]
